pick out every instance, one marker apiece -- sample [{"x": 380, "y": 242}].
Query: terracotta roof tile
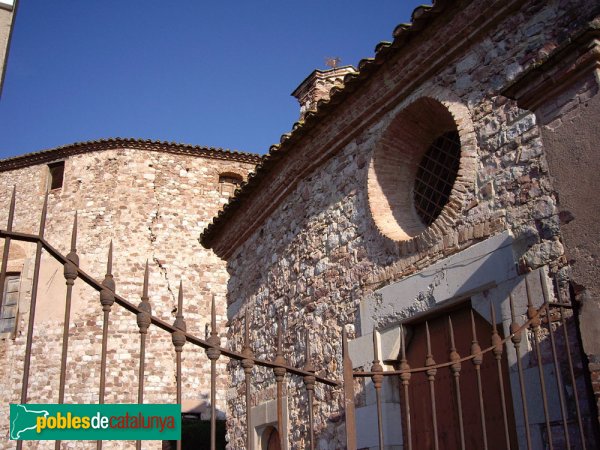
[
  {"x": 421, "y": 17},
  {"x": 76, "y": 148}
]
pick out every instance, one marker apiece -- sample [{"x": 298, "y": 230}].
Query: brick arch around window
[
  {"x": 399, "y": 163},
  {"x": 229, "y": 182}
]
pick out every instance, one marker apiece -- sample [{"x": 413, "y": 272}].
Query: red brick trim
[
  {"x": 394, "y": 163},
  {"x": 336, "y": 122}
]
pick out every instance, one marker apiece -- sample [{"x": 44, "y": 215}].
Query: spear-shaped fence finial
[{"x": 144, "y": 317}]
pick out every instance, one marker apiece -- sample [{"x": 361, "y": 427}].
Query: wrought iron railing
[
  {"x": 541, "y": 324},
  {"x": 145, "y": 319},
  {"x": 541, "y": 327}
]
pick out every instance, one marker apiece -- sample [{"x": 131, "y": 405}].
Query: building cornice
[
  {"x": 45, "y": 156},
  {"x": 7, "y": 6},
  {"x": 319, "y": 75}
]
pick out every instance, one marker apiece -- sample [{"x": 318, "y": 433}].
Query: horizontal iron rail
[
  {"x": 91, "y": 281},
  {"x": 561, "y": 305},
  {"x": 524, "y": 326}
]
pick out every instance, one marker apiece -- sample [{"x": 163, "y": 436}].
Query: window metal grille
[
  {"x": 436, "y": 175},
  {"x": 10, "y": 301}
]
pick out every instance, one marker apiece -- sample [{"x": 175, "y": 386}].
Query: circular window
[
  {"x": 436, "y": 175},
  {"x": 415, "y": 167}
]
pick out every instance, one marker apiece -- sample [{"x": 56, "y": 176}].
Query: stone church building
[
  {"x": 151, "y": 200},
  {"x": 414, "y": 266}
]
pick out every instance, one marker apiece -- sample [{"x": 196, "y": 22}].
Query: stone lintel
[{"x": 479, "y": 267}]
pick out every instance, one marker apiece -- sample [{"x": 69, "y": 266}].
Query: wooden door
[
  {"x": 271, "y": 439},
  {"x": 445, "y": 397}
]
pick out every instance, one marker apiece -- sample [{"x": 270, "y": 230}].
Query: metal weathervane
[{"x": 333, "y": 62}]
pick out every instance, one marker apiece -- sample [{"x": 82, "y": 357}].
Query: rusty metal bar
[
  {"x": 34, "y": 289},
  {"x": 387, "y": 373},
  {"x": 90, "y": 281},
  {"x": 247, "y": 365},
  {"x": 431, "y": 372},
  {"x": 405, "y": 379},
  {"x": 558, "y": 305},
  {"x": 570, "y": 362},
  {"x": 516, "y": 340},
  {"x": 349, "y": 411},
  {"x": 279, "y": 377},
  {"x": 28, "y": 237},
  {"x": 107, "y": 298},
  {"x": 6, "y": 251},
  {"x": 143, "y": 322},
  {"x": 377, "y": 378},
  {"x": 309, "y": 382},
  {"x": 178, "y": 339},
  {"x": 498, "y": 349},
  {"x": 455, "y": 369},
  {"x": 213, "y": 354},
  {"x": 477, "y": 362},
  {"x": 559, "y": 384},
  {"x": 70, "y": 273},
  {"x": 535, "y": 327}
]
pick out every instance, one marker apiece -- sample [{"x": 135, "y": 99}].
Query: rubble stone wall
[
  {"x": 319, "y": 251},
  {"x": 153, "y": 206},
  {"x": 6, "y": 21}
]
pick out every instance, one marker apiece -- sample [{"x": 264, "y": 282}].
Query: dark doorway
[
  {"x": 195, "y": 434},
  {"x": 270, "y": 439}
]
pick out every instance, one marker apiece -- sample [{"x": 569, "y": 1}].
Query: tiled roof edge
[
  {"x": 76, "y": 148},
  {"x": 420, "y": 18}
]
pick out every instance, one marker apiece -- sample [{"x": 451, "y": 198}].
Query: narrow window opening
[
  {"x": 231, "y": 179},
  {"x": 10, "y": 302},
  {"x": 57, "y": 172},
  {"x": 229, "y": 182},
  {"x": 270, "y": 439}
]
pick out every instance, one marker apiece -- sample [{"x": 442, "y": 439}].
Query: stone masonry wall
[
  {"x": 6, "y": 21},
  {"x": 319, "y": 252},
  {"x": 153, "y": 206},
  {"x": 570, "y": 130}
]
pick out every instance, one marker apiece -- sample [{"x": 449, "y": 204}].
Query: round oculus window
[
  {"x": 414, "y": 169},
  {"x": 435, "y": 176}
]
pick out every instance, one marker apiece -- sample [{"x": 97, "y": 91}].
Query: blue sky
[{"x": 209, "y": 73}]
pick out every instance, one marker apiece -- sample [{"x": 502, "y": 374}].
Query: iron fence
[
  {"x": 487, "y": 389},
  {"x": 541, "y": 327},
  {"x": 145, "y": 319}
]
